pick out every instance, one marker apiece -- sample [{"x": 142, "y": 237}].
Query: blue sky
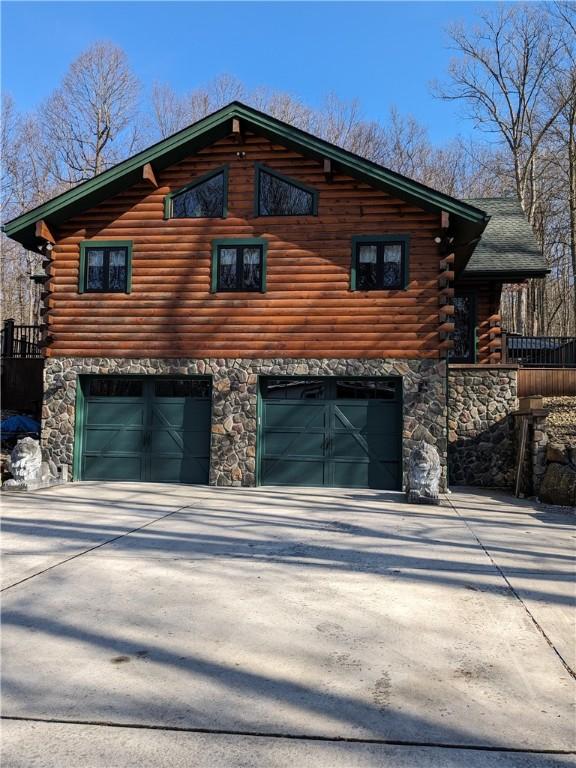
[{"x": 383, "y": 53}]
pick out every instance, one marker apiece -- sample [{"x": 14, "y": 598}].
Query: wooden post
[
  {"x": 504, "y": 351},
  {"x": 8, "y": 338}
]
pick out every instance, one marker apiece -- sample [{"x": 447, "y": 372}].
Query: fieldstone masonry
[
  {"x": 481, "y": 445},
  {"x": 234, "y": 402}
]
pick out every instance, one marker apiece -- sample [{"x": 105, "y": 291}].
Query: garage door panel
[
  {"x": 310, "y": 444},
  {"x": 113, "y": 440},
  {"x": 182, "y": 469},
  {"x": 100, "y": 412},
  {"x": 169, "y": 441},
  {"x": 295, "y": 415},
  {"x": 368, "y": 417},
  {"x": 381, "y": 446},
  {"x": 193, "y": 415},
  {"x": 112, "y": 467},
  {"x": 164, "y": 438},
  {"x": 293, "y": 472},
  {"x": 350, "y": 438}
]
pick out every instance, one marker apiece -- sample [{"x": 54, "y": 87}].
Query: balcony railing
[
  {"x": 539, "y": 351},
  {"x": 20, "y": 340}
]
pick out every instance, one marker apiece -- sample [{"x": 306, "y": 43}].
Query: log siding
[{"x": 308, "y": 309}]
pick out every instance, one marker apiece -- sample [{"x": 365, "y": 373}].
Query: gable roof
[
  {"x": 467, "y": 220},
  {"x": 507, "y": 248}
]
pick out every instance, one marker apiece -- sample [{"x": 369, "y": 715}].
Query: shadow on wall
[{"x": 486, "y": 458}]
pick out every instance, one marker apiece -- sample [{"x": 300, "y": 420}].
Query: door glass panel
[
  {"x": 391, "y": 266},
  {"x": 366, "y": 275},
  {"x": 366, "y": 389},
  {"x": 295, "y": 389},
  {"x": 182, "y": 388},
  {"x": 95, "y": 270},
  {"x": 463, "y": 329},
  {"x": 115, "y": 388},
  {"x": 227, "y": 268}
]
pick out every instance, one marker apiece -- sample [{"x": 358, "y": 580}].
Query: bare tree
[
  {"x": 90, "y": 120},
  {"x": 503, "y": 75}
]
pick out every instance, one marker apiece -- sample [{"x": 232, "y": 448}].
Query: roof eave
[{"x": 211, "y": 128}]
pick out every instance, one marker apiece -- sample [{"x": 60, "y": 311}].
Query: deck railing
[
  {"x": 20, "y": 340},
  {"x": 539, "y": 351}
]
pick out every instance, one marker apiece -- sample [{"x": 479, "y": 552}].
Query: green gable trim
[
  {"x": 210, "y": 129},
  {"x": 259, "y": 167},
  {"x": 404, "y": 239},
  {"x": 232, "y": 241},
  {"x": 86, "y": 244},
  {"x": 223, "y": 169}
]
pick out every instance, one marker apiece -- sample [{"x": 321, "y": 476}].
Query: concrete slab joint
[{"x": 234, "y": 401}]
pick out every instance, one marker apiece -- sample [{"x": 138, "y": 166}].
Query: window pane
[
  {"x": 227, "y": 269},
  {"x": 199, "y": 388},
  {"x": 280, "y": 198},
  {"x": 366, "y": 389},
  {"x": 391, "y": 268},
  {"x": 306, "y": 390},
  {"x": 294, "y": 389},
  {"x": 117, "y": 272},
  {"x": 205, "y": 200},
  {"x": 251, "y": 268},
  {"x": 95, "y": 270},
  {"x": 366, "y": 270},
  {"x": 115, "y": 388},
  {"x": 463, "y": 329}
]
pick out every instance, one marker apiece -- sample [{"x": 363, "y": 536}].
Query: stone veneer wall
[
  {"x": 234, "y": 401},
  {"x": 481, "y": 445}
]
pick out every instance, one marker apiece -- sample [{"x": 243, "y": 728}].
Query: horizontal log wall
[{"x": 307, "y": 310}]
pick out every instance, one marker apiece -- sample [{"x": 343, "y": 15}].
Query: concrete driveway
[{"x": 154, "y": 625}]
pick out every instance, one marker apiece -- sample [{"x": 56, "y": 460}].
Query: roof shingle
[{"x": 507, "y": 245}]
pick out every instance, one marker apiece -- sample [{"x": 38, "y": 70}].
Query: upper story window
[
  {"x": 203, "y": 198},
  {"x": 239, "y": 265},
  {"x": 105, "y": 267},
  {"x": 278, "y": 195},
  {"x": 379, "y": 263}
]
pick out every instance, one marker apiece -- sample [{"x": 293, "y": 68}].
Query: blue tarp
[{"x": 16, "y": 425}]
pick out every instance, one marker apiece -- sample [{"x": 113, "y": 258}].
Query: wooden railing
[
  {"x": 20, "y": 340},
  {"x": 539, "y": 351}
]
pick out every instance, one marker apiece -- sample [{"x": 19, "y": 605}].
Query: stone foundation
[
  {"x": 234, "y": 402},
  {"x": 481, "y": 447}
]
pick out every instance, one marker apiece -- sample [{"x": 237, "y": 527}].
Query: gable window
[
  {"x": 203, "y": 198},
  {"x": 239, "y": 265},
  {"x": 379, "y": 263},
  {"x": 105, "y": 267},
  {"x": 464, "y": 336},
  {"x": 278, "y": 195}
]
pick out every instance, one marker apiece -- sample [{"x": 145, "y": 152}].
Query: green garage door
[
  {"x": 154, "y": 429},
  {"x": 331, "y": 432}
]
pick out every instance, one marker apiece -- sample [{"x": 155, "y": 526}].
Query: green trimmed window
[
  {"x": 239, "y": 265},
  {"x": 379, "y": 263},
  {"x": 279, "y": 195},
  {"x": 105, "y": 266},
  {"x": 204, "y": 198}
]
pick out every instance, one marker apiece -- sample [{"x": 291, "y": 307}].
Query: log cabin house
[{"x": 244, "y": 303}]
